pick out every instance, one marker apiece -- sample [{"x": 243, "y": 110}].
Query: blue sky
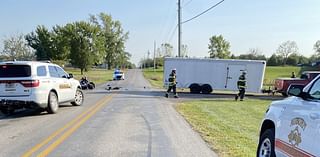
[{"x": 245, "y": 24}]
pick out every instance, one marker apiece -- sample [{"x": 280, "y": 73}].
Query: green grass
[
  {"x": 273, "y": 72},
  {"x": 155, "y": 77},
  {"x": 97, "y": 76},
  {"x": 231, "y": 128}
]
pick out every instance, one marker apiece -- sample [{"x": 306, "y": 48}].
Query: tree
[
  {"x": 184, "y": 51},
  {"x": 15, "y": 47},
  {"x": 285, "y": 49},
  {"x": 122, "y": 59},
  {"x": 167, "y": 49},
  {"x": 293, "y": 59},
  {"x": 219, "y": 47},
  {"x": 42, "y": 42},
  {"x": 273, "y": 60},
  {"x": 303, "y": 60},
  {"x": 316, "y": 48},
  {"x": 101, "y": 40},
  {"x": 81, "y": 41},
  {"x": 113, "y": 39},
  {"x": 253, "y": 54}
]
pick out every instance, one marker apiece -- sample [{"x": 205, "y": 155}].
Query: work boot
[
  {"x": 236, "y": 98},
  {"x": 167, "y": 95}
]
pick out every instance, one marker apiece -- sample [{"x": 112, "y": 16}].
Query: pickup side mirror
[
  {"x": 70, "y": 75},
  {"x": 295, "y": 90}
]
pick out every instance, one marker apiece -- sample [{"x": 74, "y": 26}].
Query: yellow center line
[
  {"x": 69, "y": 132},
  {"x": 59, "y": 131}
]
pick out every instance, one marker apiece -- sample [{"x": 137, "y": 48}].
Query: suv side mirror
[
  {"x": 70, "y": 75},
  {"x": 295, "y": 90}
]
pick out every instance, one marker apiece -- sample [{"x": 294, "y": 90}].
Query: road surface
[{"x": 130, "y": 120}]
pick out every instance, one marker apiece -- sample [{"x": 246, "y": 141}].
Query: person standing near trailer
[
  {"x": 293, "y": 75},
  {"x": 242, "y": 85},
  {"x": 172, "y": 84}
]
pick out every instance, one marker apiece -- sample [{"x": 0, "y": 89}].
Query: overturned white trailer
[{"x": 205, "y": 75}]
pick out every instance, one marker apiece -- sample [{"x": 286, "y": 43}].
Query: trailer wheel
[
  {"x": 206, "y": 89},
  {"x": 195, "y": 88}
]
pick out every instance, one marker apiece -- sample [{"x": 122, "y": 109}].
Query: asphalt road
[{"x": 130, "y": 120}]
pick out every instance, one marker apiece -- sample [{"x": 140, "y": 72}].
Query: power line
[
  {"x": 174, "y": 31},
  {"x": 203, "y": 12},
  {"x": 187, "y": 3},
  {"x": 166, "y": 29}
]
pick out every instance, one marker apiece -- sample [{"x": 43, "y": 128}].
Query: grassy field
[
  {"x": 273, "y": 72},
  {"x": 155, "y": 77},
  {"x": 97, "y": 76},
  {"x": 231, "y": 128}
]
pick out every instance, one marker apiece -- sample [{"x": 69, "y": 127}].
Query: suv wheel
[
  {"x": 266, "y": 144},
  {"x": 78, "y": 98},
  {"x": 53, "y": 103}
]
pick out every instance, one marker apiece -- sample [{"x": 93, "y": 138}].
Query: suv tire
[
  {"x": 78, "y": 98},
  {"x": 266, "y": 144},
  {"x": 53, "y": 103}
]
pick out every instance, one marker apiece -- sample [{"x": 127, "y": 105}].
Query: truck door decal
[
  {"x": 291, "y": 148},
  {"x": 295, "y": 134}
]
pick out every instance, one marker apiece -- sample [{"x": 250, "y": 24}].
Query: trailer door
[{"x": 233, "y": 73}]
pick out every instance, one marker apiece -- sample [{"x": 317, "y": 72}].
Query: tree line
[
  {"x": 83, "y": 44},
  {"x": 286, "y": 54}
]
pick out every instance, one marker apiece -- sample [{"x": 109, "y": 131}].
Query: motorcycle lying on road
[{"x": 85, "y": 84}]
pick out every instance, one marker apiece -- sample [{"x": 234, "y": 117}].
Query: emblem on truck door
[{"x": 295, "y": 134}]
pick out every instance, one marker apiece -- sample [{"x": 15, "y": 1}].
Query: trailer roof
[{"x": 214, "y": 59}]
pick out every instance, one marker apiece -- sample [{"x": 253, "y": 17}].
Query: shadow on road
[
  {"x": 151, "y": 93},
  {"x": 21, "y": 113}
]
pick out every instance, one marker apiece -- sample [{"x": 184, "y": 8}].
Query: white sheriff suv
[
  {"x": 291, "y": 127},
  {"x": 30, "y": 84}
]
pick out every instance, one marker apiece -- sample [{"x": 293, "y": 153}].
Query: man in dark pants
[
  {"x": 242, "y": 85},
  {"x": 172, "y": 84}
]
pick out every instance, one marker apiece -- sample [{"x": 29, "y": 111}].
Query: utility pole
[
  {"x": 154, "y": 56},
  {"x": 179, "y": 28}
]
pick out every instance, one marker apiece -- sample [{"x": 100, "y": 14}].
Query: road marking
[{"x": 74, "y": 124}]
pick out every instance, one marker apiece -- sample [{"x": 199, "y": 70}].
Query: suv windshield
[{"x": 15, "y": 71}]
